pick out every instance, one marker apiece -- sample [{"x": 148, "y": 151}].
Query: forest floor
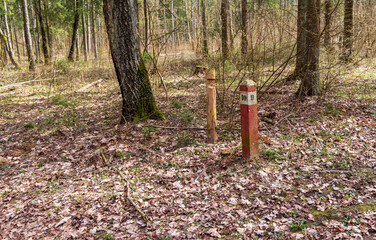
[{"x": 61, "y": 149}]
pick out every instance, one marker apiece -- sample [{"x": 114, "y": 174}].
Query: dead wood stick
[
  {"x": 180, "y": 128},
  {"x": 128, "y": 195},
  {"x": 89, "y": 85},
  {"x": 21, "y": 83}
]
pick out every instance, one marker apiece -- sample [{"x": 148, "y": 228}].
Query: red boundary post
[{"x": 249, "y": 120}]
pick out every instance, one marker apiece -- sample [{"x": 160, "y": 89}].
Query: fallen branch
[
  {"x": 89, "y": 85},
  {"x": 128, "y": 195},
  {"x": 21, "y": 83},
  {"x": 180, "y": 128}
]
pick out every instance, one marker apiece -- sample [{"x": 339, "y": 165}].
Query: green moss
[{"x": 147, "y": 107}]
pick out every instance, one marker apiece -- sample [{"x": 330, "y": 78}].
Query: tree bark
[
  {"x": 6, "y": 39},
  {"x": 138, "y": 100},
  {"x": 75, "y": 29},
  {"x": 84, "y": 42},
  {"x": 310, "y": 84},
  {"x": 146, "y": 25},
  {"x": 29, "y": 45},
  {"x": 244, "y": 42},
  {"x": 93, "y": 35},
  {"x": 48, "y": 31},
  {"x": 204, "y": 35},
  {"x": 301, "y": 53},
  {"x": 43, "y": 32},
  {"x": 348, "y": 30},
  {"x": 327, "y": 38},
  {"x": 224, "y": 27}
]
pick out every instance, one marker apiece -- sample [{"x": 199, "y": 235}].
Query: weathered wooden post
[
  {"x": 211, "y": 106},
  {"x": 249, "y": 121}
]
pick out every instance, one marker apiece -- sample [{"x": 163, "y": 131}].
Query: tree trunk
[
  {"x": 188, "y": 22},
  {"x": 204, "y": 35},
  {"x": 48, "y": 31},
  {"x": 310, "y": 84},
  {"x": 75, "y": 29},
  {"x": 301, "y": 51},
  {"x": 29, "y": 45},
  {"x": 328, "y": 9},
  {"x": 93, "y": 35},
  {"x": 244, "y": 43},
  {"x": 6, "y": 39},
  {"x": 348, "y": 30},
  {"x": 173, "y": 22},
  {"x": 145, "y": 25},
  {"x": 84, "y": 43},
  {"x": 224, "y": 27},
  {"x": 138, "y": 100},
  {"x": 43, "y": 33},
  {"x": 16, "y": 40}
]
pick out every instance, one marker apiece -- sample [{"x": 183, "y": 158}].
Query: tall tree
[
  {"x": 204, "y": 34},
  {"x": 92, "y": 25},
  {"x": 121, "y": 22},
  {"x": 75, "y": 29},
  {"x": 29, "y": 45},
  {"x": 310, "y": 84},
  {"x": 39, "y": 13},
  {"x": 328, "y": 9},
  {"x": 224, "y": 18},
  {"x": 6, "y": 38},
  {"x": 244, "y": 43},
  {"x": 84, "y": 40},
  {"x": 348, "y": 30},
  {"x": 301, "y": 47},
  {"x": 48, "y": 30}
]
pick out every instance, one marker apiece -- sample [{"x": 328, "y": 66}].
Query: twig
[
  {"x": 181, "y": 128},
  {"x": 128, "y": 195}
]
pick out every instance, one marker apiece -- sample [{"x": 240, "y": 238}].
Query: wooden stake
[{"x": 211, "y": 106}]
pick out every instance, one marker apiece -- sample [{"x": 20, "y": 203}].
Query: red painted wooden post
[{"x": 249, "y": 121}]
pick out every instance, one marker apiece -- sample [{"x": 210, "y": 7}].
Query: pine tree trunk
[
  {"x": 328, "y": 9},
  {"x": 310, "y": 85},
  {"x": 173, "y": 22},
  {"x": 75, "y": 29},
  {"x": 121, "y": 22},
  {"x": 84, "y": 37},
  {"x": 29, "y": 45},
  {"x": 48, "y": 31},
  {"x": 348, "y": 30},
  {"x": 43, "y": 33},
  {"x": 204, "y": 35},
  {"x": 146, "y": 25},
  {"x": 224, "y": 27},
  {"x": 93, "y": 35},
  {"x": 301, "y": 53},
  {"x": 244, "y": 43}
]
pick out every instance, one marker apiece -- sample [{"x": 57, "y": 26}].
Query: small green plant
[
  {"x": 62, "y": 65},
  {"x": 29, "y": 125},
  {"x": 177, "y": 104},
  {"x": 59, "y": 99},
  {"x": 105, "y": 236},
  {"x": 184, "y": 139},
  {"x": 298, "y": 225},
  {"x": 148, "y": 130},
  {"x": 187, "y": 117},
  {"x": 332, "y": 110}
]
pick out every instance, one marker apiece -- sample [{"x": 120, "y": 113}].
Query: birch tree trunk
[{"x": 29, "y": 45}]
